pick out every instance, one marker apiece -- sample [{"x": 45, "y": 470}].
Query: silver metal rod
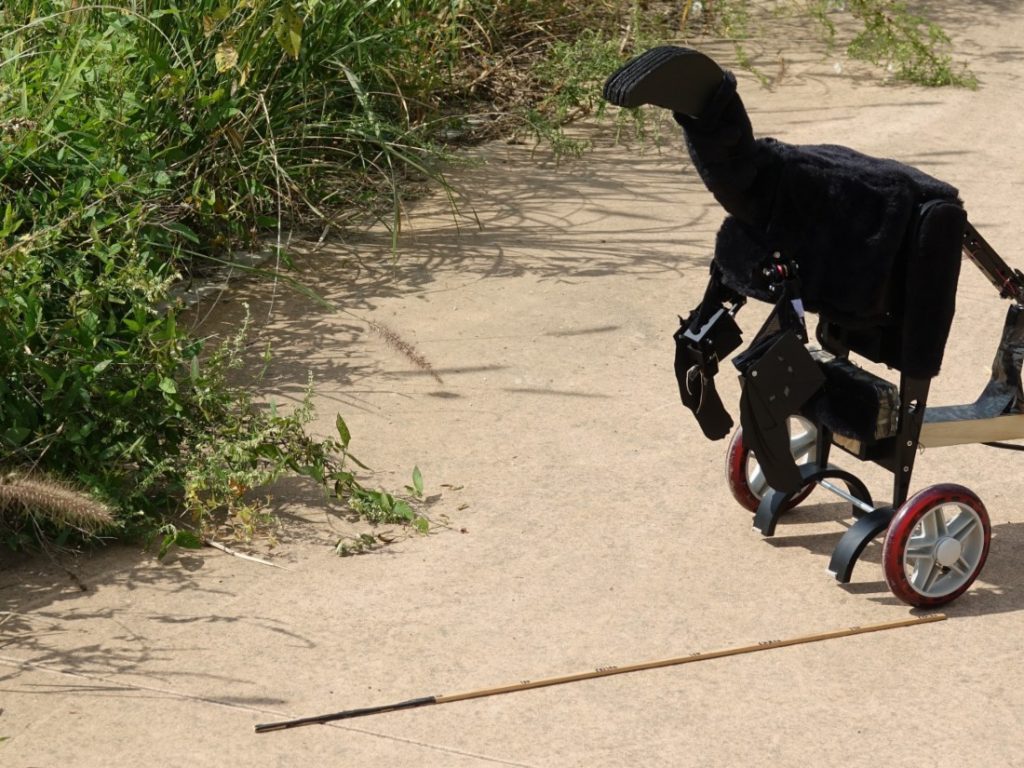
[{"x": 863, "y": 506}]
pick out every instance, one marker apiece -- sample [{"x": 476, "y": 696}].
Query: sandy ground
[{"x": 589, "y": 522}]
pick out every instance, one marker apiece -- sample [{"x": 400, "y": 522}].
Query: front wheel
[
  {"x": 936, "y": 545},
  {"x": 743, "y": 473}
]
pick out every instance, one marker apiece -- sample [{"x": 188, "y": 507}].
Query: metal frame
[{"x": 996, "y": 415}]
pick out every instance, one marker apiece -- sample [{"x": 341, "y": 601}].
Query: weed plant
[
  {"x": 916, "y": 48},
  {"x": 891, "y": 34},
  {"x": 142, "y": 141}
]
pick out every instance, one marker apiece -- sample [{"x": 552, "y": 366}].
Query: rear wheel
[
  {"x": 936, "y": 545},
  {"x": 744, "y": 475}
]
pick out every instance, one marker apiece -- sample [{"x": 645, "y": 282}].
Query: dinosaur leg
[{"x": 678, "y": 79}]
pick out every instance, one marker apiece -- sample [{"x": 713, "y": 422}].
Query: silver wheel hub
[
  {"x": 944, "y": 550},
  {"x": 947, "y": 552}
]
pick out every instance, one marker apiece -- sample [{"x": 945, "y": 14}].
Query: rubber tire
[
  {"x": 904, "y": 522},
  {"x": 736, "y": 476}
]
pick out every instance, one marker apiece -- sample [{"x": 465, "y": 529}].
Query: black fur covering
[{"x": 852, "y": 223}]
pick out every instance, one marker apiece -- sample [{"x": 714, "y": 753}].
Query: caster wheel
[
  {"x": 744, "y": 475},
  {"x": 936, "y": 545}
]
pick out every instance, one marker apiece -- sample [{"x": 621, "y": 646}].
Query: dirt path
[{"x": 590, "y": 522}]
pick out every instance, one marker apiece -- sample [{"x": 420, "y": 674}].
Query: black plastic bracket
[
  {"x": 773, "y": 504},
  {"x": 771, "y": 507},
  {"x": 856, "y": 538}
]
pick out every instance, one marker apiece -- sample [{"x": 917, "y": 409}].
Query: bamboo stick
[{"x": 525, "y": 685}]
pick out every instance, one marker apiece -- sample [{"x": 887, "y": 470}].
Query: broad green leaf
[
  {"x": 356, "y": 461},
  {"x": 165, "y": 546},
  {"x": 403, "y": 510},
  {"x": 10, "y": 223},
  {"x": 343, "y": 431},
  {"x": 288, "y": 29},
  {"x": 417, "y": 481},
  {"x": 15, "y": 435},
  {"x": 342, "y": 483},
  {"x": 345, "y": 477},
  {"x": 101, "y": 366},
  {"x": 167, "y": 385},
  {"x": 184, "y": 231},
  {"x": 188, "y": 540},
  {"x": 269, "y": 451}
]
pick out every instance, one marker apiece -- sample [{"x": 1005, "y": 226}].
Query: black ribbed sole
[{"x": 679, "y": 79}]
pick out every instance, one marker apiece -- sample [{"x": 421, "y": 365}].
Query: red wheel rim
[
  {"x": 736, "y": 472},
  {"x": 936, "y": 545},
  {"x": 737, "y": 458}
]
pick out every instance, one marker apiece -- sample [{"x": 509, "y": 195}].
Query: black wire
[{"x": 1005, "y": 446}]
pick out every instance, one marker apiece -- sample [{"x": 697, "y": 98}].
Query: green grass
[{"x": 144, "y": 141}]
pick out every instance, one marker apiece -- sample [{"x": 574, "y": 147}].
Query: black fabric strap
[
  {"x": 702, "y": 340},
  {"x": 697, "y": 390}
]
